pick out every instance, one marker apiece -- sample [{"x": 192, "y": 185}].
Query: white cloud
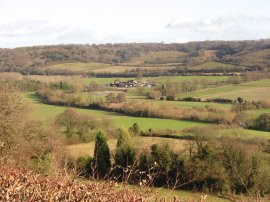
[
  {"x": 38, "y": 22},
  {"x": 231, "y": 23}
]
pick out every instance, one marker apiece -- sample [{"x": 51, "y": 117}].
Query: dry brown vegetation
[
  {"x": 18, "y": 184},
  {"x": 23, "y": 140}
]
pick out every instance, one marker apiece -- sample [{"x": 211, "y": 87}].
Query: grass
[
  {"x": 190, "y": 105},
  {"x": 212, "y": 65},
  {"x": 251, "y": 94},
  {"x": 232, "y": 92},
  {"x": 215, "y": 92},
  {"x": 123, "y": 68},
  {"x": 256, "y": 113},
  {"x": 78, "y": 67},
  {"x": 244, "y": 133},
  {"x": 181, "y": 79},
  {"x": 44, "y": 112},
  {"x": 189, "y": 196},
  {"x": 260, "y": 83}
]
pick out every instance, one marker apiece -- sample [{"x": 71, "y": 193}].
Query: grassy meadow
[
  {"x": 257, "y": 90},
  {"x": 212, "y": 65}
]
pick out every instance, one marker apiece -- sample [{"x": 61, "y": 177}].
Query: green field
[
  {"x": 212, "y": 65},
  {"x": 232, "y": 92},
  {"x": 256, "y": 113},
  {"x": 181, "y": 79},
  {"x": 260, "y": 83},
  {"x": 243, "y": 133},
  {"x": 77, "y": 67},
  {"x": 44, "y": 112},
  {"x": 190, "y": 105}
]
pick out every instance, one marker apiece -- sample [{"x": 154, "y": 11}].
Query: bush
[
  {"x": 262, "y": 122},
  {"x": 135, "y": 129},
  {"x": 123, "y": 138},
  {"x": 191, "y": 99},
  {"x": 170, "y": 98}
]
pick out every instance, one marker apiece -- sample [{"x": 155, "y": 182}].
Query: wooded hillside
[{"x": 229, "y": 55}]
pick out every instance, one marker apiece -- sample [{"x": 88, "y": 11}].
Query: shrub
[
  {"x": 170, "y": 98},
  {"x": 123, "y": 138},
  {"x": 102, "y": 155},
  {"x": 125, "y": 155},
  {"x": 262, "y": 122},
  {"x": 135, "y": 129}
]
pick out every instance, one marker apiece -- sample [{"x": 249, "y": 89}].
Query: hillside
[{"x": 208, "y": 56}]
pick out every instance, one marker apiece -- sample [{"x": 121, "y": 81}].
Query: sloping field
[
  {"x": 232, "y": 92},
  {"x": 215, "y": 92},
  {"x": 259, "y": 93},
  {"x": 260, "y": 83},
  {"x": 212, "y": 65},
  {"x": 119, "y": 69},
  {"x": 159, "y": 56},
  {"x": 181, "y": 79},
  {"x": 189, "y": 105},
  {"x": 77, "y": 67},
  {"x": 103, "y": 80},
  {"x": 256, "y": 113}
]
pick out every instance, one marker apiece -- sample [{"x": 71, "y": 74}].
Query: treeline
[
  {"x": 147, "y": 109},
  {"x": 79, "y": 128},
  {"x": 221, "y": 166},
  {"x": 28, "y": 60},
  {"x": 62, "y": 98},
  {"x": 69, "y": 84}
]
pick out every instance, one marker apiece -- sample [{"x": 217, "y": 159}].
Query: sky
[{"x": 48, "y": 22}]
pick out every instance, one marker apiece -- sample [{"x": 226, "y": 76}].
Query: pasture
[
  {"x": 77, "y": 67},
  {"x": 122, "y": 68},
  {"x": 259, "y": 83},
  {"x": 248, "y": 91},
  {"x": 212, "y": 65},
  {"x": 190, "y": 105},
  {"x": 181, "y": 79}
]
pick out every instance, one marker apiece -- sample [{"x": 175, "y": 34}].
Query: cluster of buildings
[{"x": 130, "y": 84}]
